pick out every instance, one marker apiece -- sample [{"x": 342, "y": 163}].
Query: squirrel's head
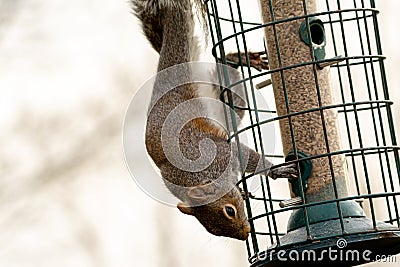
[{"x": 223, "y": 217}]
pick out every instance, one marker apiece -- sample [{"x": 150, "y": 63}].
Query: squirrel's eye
[{"x": 230, "y": 211}]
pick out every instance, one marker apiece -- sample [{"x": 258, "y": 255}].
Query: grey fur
[{"x": 205, "y": 194}]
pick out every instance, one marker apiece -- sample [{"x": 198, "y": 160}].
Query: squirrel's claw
[{"x": 258, "y": 62}]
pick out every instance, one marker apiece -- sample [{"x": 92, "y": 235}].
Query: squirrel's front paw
[{"x": 287, "y": 172}]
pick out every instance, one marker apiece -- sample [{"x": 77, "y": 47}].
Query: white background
[{"x": 68, "y": 70}]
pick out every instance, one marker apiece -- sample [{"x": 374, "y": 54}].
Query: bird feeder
[{"x": 327, "y": 75}]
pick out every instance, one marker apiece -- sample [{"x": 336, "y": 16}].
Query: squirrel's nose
[{"x": 246, "y": 231}]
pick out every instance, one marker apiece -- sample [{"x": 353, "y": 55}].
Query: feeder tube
[{"x": 302, "y": 89}]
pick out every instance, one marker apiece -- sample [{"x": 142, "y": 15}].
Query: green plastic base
[
  {"x": 361, "y": 244},
  {"x": 324, "y": 212}
]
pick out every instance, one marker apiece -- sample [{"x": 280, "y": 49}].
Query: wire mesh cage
[{"x": 329, "y": 100}]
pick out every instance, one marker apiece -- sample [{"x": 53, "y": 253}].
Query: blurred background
[{"x": 68, "y": 70}]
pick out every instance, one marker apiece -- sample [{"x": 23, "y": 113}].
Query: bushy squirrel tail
[{"x": 152, "y": 15}]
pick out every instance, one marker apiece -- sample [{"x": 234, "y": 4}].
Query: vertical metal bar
[
  {"x": 287, "y": 107},
  {"x": 234, "y": 125},
  {"x": 383, "y": 134},
  {"x": 343, "y": 99},
  {"x": 323, "y": 122},
  {"x": 360, "y": 140},
  {"x": 275, "y": 227},
  {"x": 386, "y": 93}
]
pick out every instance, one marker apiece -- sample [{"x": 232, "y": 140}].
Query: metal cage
[{"x": 333, "y": 111}]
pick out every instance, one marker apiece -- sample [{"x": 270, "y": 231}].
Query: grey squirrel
[{"x": 209, "y": 193}]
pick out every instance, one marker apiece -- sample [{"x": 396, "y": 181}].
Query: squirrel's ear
[
  {"x": 185, "y": 209},
  {"x": 201, "y": 192}
]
